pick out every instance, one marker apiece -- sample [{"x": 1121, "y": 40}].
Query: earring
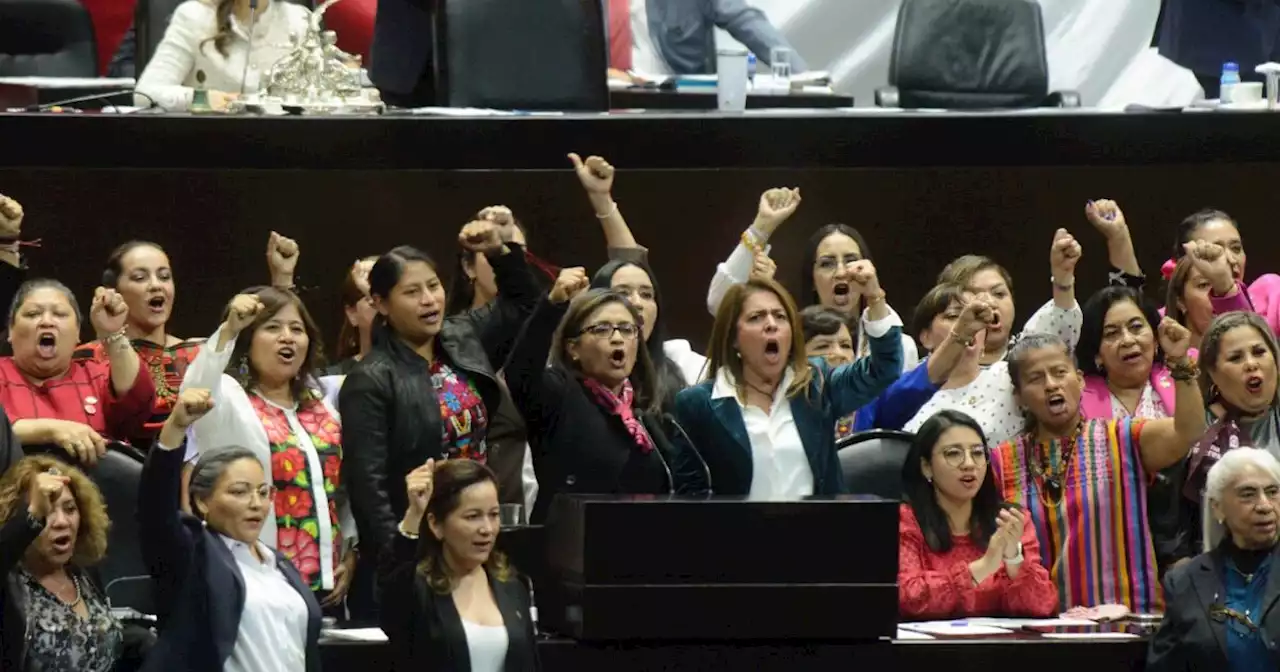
[
  {"x": 928, "y": 478},
  {"x": 243, "y": 369}
]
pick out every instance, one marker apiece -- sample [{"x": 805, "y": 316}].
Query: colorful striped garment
[{"x": 1095, "y": 539}]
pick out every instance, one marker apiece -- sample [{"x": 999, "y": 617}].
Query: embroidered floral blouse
[
  {"x": 462, "y": 413},
  {"x": 165, "y": 365}
]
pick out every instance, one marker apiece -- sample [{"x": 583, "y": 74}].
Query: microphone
[
  {"x": 45, "y": 107},
  {"x": 248, "y": 54},
  {"x": 706, "y": 469}
]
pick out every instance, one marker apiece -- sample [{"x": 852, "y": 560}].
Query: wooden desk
[{"x": 655, "y": 99}]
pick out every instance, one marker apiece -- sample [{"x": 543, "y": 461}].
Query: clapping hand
[
  {"x": 570, "y": 283},
  {"x": 108, "y": 312}
]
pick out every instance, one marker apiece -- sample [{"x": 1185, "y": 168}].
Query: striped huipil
[{"x": 1095, "y": 539}]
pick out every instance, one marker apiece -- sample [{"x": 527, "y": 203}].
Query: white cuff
[{"x": 880, "y": 327}]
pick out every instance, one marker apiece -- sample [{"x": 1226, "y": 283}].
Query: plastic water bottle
[
  {"x": 1227, "y": 85},
  {"x": 751, "y": 67}
]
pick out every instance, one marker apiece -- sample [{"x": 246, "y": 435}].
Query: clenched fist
[
  {"x": 193, "y": 404},
  {"x": 570, "y": 283},
  {"x": 108, "y": 312},
  {"x": 241, "y": 312}
]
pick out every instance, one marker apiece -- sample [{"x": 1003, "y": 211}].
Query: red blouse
[
  {"x": 83, "y": 394},
  {"x": 939, "y": 585},
  {"x": 165, "y": 365}
]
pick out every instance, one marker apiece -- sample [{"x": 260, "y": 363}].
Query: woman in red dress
[{"x": 961, "y": 551}]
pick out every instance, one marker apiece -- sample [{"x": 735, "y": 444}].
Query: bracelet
[
  {"x": 876, "y": 298},
  {"x": 612, "y": 211},
  {"x": 113, "y": 338},
  {"x": 1063, "y": 288},
  {"x": 1017, "y": 559},
  {"x": 966, "y": 341},
  {"x": 1184, "y": 371},
  {"x": 751, "y": 242},
  {"x": 405, "y": 533}
]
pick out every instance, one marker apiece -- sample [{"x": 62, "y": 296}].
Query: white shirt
[
  {"x": 779, "y": 466},
  {"x": 486, "y": 646},
  {"x": 645, "y": 58},
  {"x": 693, "y": 366},
  {"x": 273, "y": 626},
  {"x": 989, "y": 398},
  {"x": 737, "y": 269},
  {"x": 170, "y": 75},
  {"x": 234, "y": 422}
]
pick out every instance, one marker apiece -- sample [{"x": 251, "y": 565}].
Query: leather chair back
[
  {"x": 872, "y": 462},
  {"x": 958, "y": 54},
  {"x": 117, "y": 475},
  {"x": 525, "y": 55},
  {"x": 46, "y": 38}
]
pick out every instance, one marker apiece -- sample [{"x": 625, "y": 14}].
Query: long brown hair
[
  {"x": 723, "y": 348},
  {"x": 451, "y": 478},
  {"x": 222, "y": 13},
  {"x": 645, "y": 382},
  {"x": 349, "y": 335},
  {"x": 1173, "y": 293},
  {"x": 273, "y": 301}
]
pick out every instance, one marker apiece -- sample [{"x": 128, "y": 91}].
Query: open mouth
[
  {"x": 1253, "y": 384},
  {"x": 286, "y": 354},
  {"x": 772, "y": 351},
  {"x": 618, "y": 357},
  {"x": 47, "y": 344},
  {"x": 969, "y": 480},
  {"x": 840, "y": 292},
  {"x": 1057, "y": 404},
  {"x": 995, "y": 324},
  {"x": 1131, "y": 357},
  {"x": 156, "y": 304},
  {"x": 430, "y": 317},
  {"x": 61, "y": 543},
  {"x": 482, "y": 546},
  {"x": 253, "y": 521}
]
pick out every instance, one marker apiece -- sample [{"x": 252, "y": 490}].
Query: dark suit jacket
[
  {"x": 1201, "y": 35},
  {"x": 402, "y": 45},
  {"x": 1189, "y": 640},
  {"x": 425, "y": 630},
  {"x": 199, "y": 589},
  {"x": 716, "y": 428}
]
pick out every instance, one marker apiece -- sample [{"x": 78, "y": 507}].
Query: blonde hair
[
  {"x": 91, "y": 538},
  {"x": 723, "y": 349}
]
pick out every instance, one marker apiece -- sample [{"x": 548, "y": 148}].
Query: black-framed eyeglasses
[
  {"x": 605, "y": 330},
  {"x": 1222, "y": 614}
]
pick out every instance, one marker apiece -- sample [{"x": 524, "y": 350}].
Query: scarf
[
  {"x": 620, "y": 405},
  {"x": 1221, "y": 436},
  {"x": 547, "y": 268}
]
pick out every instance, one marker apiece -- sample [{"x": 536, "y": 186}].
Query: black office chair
[
  {"x": 526, "y": 55},
  {"x": 124, "y": 573},
  {"x": 970, "y": 54},
  {"x": 46, "y": 38},
  {"x": 872, "y": 462}
]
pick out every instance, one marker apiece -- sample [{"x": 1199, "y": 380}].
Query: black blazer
[
  {"x": 425, "y": 630},
  {"x": 1189, "y": 639},
  {"x": 576, "y": 445},
  {"x": 199, "y": 589},
  {"x": 390, "y": 412}
]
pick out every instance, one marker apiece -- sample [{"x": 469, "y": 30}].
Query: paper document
[
  {"x": 908, "y": 634},
  {"x": 356, "y": 634},
  {"x": 1016, "y": 623},
  {"x": 953, "y": 628},
  {"x": 1089, "y": 635}
]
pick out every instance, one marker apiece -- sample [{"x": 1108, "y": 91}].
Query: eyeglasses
[
  {"x": 605, "y": 330},
  {"x": 245, "y": 494},
  {"x": 954, "y": 457},
  {"x": 1222, "y": 614}
]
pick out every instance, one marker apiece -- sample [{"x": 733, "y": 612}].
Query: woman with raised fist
[
  {"x": 74, "y": 405},
  {"x": 226, "y": 600}
]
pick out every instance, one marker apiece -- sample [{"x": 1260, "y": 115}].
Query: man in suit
[
  {"x": 1201, "y": 35},
  {"x": 677, "y": 37}
]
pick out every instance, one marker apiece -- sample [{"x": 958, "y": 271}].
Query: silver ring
[{"x": 53, "y": 471}]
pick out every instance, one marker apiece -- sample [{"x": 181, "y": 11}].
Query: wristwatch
[{"x": 1017, "y": 559}]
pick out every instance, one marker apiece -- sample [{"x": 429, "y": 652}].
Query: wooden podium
[{"x": 657, "y": 568}]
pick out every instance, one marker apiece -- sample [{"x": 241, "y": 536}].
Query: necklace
[
  {"x": 58, "y": 592},
  {"x": 1052, "y": 477}
]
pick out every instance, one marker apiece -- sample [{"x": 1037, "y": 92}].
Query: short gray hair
[
  {"x": 1233, "y": 463},
  {"x": 209, "y": 468}
]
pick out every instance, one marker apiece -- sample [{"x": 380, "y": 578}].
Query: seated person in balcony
[
  {"x": 1217, "y": 615},
  {"x": 960, "y": 552},
  {"x": 209, "y": 40},
  {"x": 75, "y": 405},
  {"x": 677, "y": 37}
]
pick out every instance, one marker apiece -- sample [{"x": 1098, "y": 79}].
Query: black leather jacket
[{"x": 390, "y": 413}]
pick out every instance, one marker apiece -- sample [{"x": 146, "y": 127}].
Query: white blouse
[
  {"x": 486, "y": 646},
  {"x": 272, "y": 636},
  {"x": 737, "y": 269},
  {"x": 234, "y": 422},
  {"x": 170, "y": 76},
  {"x": 989, "y": 398},
  {"x": 779, "y": 466}
]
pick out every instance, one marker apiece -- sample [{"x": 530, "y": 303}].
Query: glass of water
[
  {"x": 780, "y": 62},
  {"x": 511, "y": 515}
]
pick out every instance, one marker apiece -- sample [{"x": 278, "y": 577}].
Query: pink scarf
[{"x": 620, "y": 405}]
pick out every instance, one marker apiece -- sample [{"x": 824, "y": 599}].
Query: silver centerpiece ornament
[{"x": 316, "y": 77}]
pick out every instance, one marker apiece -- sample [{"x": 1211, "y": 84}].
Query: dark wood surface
[
  {"x": 955, "y": 655},
  {"x": 921, "y": 188}
]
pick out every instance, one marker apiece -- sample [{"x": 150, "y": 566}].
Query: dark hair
[
  {"x": 1187, "y": 227},
  {"x": 30, "y": 286},
  {"x": 670, "y": 377},
  {"x": 1211, "y": 347},
  {"x": 386, "y": 272},
  {"x": 462, "y": 289},
  {"x": 115, "y": 266},
  {"x": 934, "y": 303},
  {"x": 451, "y": 478},
  {"x": 273, "y": 301},
  {"x": 645, "y": 383},
  {"x": 1176, "y": 285},
  {"x": 807, "y": 287},
  {"x": 1095, "y": 317},
  {"x": 821, "y": 321},
  {"x": 921, "y": 497},
  {"x": 1030, "y": 341},
  {"x": 348, "y": 335},
  {"x": 209, "y": 468}
]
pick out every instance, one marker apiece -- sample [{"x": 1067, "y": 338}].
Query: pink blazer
[
  {"x": 1262, "y": 297},
  {"x": 1095, "y": 401}
]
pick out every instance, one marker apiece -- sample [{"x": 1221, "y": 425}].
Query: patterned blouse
[
  {"x": 1095, "y": 538},
  {"x": 306, "y": 459},
  {"x": 463, "y": 419},
  {"x": 166, "y": 365},
  {"x": 59, "y": 640}
]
